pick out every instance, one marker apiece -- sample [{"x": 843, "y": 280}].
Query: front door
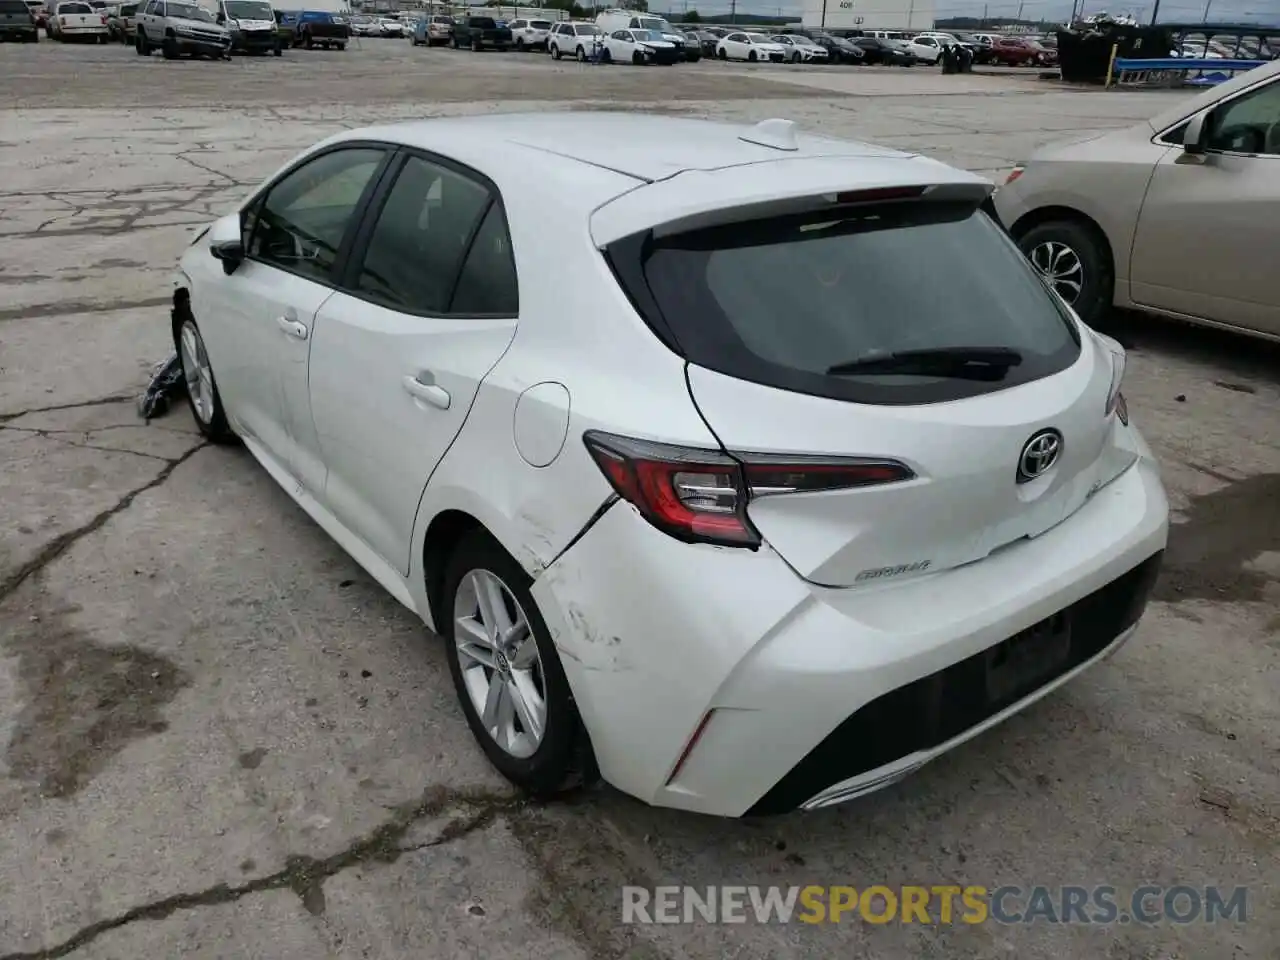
[
  {"x": 428, "y": 305},
  {"x": 1206, "y": 239},
  {"x": 295, "y": 234}
]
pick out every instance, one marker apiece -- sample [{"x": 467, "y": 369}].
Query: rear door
[
  {"x": 1206, "y": 238},
  {"x": 800, "y": 333},
  {"x": 428, "y": 305}
]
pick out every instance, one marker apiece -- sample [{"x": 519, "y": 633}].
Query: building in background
[{"x": 869, "y": 14}]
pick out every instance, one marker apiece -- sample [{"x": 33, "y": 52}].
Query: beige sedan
[{"x": 1178, "y": 216}]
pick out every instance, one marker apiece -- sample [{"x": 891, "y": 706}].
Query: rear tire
[
  {"x": 341, "y": 46},
  {"x": 562, "y": 758},
  {"x": 519, "y": 44},
  {"x": 1066, "y": 253},
  {"x": 555, "y": 52},
  {"x": 606, "y": 56},
  {"x": 723, "y": 55}
]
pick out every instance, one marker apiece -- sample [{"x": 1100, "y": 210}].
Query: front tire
[
  {"x": 722, "y": 54},
  {"x": 1073, "y": 260},
  {"x": 507, "y": 673},
  {"x": 202, "y": 388},
  {"x": 140, "y": 44},
  {"x": 751, "y": 56},
  {"x": 169, "y": 48}
]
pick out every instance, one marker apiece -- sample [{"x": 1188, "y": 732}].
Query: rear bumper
[
  {"x": 17, "y": 29},
  {"x": 789, "y": 675}
]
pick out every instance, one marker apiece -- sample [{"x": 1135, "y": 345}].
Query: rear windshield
[
  {"x": 484, "y": 23},
  {"x": 74, "y": 8},
  {"x": 14, "y": 6},
  {"x": 540, "y": 24},
  {"x": 783, "y": 301}
]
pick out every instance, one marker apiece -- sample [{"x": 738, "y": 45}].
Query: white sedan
[
  {"x": 800, "y": 49},
  {"x": 736, "y": 550},
  {"x": 927, "y": 48},
  {"x": 639, "y": 47},
  {"x": 750, "y": 47}
]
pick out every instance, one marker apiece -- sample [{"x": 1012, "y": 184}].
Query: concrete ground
[{"x": 220, "y": 739}]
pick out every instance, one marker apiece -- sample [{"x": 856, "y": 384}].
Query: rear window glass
[
  {"x": 75, "y": 8},
  {"x": 483, "y": 23},
  {"x": 540, "y": 24},
  {"x": 783, "y": 301},
  {"x": 13, "y": 6}
]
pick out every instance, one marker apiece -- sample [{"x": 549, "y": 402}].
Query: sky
[{"x": 1220, "y": 11}]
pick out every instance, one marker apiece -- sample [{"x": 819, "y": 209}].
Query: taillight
[
  {"x": 701, "y": 496},
  {"x": 1014, "y": 174},
  {"x": 1115, "y": 398}
]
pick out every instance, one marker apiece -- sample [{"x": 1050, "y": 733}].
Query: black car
[
  {"x": 17, "y": 22},
  {"x": 839, "y": 50},
  {"x": 876, "y": 50},
  {"x": 705, "y": 42},
  {"x": 479, "y": 33}
]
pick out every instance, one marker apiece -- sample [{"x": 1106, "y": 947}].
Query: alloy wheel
[
  {"x": 500, "y": 663},
  {"x": 1060, "y": 267},
  {"x": 196, "y": 370}
]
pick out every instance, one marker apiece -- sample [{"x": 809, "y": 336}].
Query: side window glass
[
  {"x": 301, "y": 223},
  {"x": 420, "y": 238},
  {"x": 1248, "y": 124},
  {"x": 487, "y": 284}
]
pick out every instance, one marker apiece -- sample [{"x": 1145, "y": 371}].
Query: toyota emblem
[{"x": 1039, "y": 454}]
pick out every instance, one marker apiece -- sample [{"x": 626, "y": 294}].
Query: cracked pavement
[{"x": 219, "y": 738}]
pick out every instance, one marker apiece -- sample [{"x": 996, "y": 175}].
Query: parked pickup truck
[
  {"x": 318, "y": 28},
  {"x": 17, "y": 22},
  {"x": 480, "y": 32}
]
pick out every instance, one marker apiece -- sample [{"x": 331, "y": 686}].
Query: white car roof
[
  {"x": 640, "y": 146},
  {"x": 595, "y": 161}
]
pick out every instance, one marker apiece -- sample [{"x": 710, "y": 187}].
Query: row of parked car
[
  {"x": 213, "y": 28},
  {"x": 638, "y": 37}
]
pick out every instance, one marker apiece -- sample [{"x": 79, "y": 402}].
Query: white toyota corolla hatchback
[{"x": 748, "y": 468}]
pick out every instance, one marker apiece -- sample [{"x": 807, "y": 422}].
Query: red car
[{"x": 1012, "y": 52}]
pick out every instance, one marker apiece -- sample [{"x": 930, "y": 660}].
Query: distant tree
[{"x": 692, "y": 17}]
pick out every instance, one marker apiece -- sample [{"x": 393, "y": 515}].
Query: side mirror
[
  {"x": 1193, "y": 139},
  {"x": 226, "y": 242}
]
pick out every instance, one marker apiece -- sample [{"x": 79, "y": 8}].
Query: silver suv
[{"x": 178, "y": 27}]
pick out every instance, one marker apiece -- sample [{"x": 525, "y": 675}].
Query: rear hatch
[
  {"x": 77, "y": 16},
  {"x": 892, "y": 327}
]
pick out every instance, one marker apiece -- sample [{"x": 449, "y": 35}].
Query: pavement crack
[
  {"x": 200, "y": 166},
  {"x": 64, "y": 308},
  {"x": 53, "y": 408},
  {"x": 60, "y": 544},
  {"x": 55, "y": 436},
  {"x": 305, "y": 875}
]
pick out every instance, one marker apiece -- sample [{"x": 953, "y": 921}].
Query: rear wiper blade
[{"x": 968, "y": 363}]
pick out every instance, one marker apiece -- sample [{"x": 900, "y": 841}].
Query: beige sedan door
[{"x": 1208, "y": 234}]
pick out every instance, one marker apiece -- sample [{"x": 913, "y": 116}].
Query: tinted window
[
  {"x": 782, "y": 301},
  {"x": 420, "y": 238},
  {"x": 74, "y": 8},
  {"x": 483, "y": 23},
  {"x": 540, "y": 24},
  {"x": 14, "y": 6},
  {"x": 301, "y": 223},
  {"x": 487, "y": 284},
  {"x": 1249, "y": 123}
]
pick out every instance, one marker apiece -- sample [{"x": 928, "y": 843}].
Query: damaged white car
[{"x": 736, "y": 549}]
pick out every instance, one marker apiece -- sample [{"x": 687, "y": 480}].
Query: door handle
[
  {"x": 294, "y": 328},
  {"x": 431, "y": 393}
]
